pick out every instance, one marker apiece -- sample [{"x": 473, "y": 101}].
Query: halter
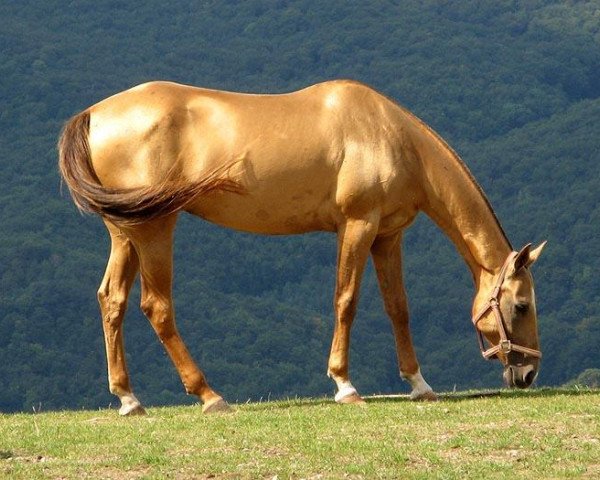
[{"x": 505, "y": 346}]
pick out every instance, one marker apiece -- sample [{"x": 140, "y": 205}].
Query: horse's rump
[{"x": 126, "y": 206}]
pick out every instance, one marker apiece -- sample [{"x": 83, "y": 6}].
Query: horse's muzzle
[{"x": 519, "y": 376}]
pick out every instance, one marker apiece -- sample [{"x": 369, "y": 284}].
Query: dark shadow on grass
[{"x": 544, "y": 392}]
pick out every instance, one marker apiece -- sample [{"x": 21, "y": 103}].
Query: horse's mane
[{"x": 126, "y": 206}]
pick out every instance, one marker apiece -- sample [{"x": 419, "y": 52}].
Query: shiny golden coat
[{"x": 337, "y": 157}]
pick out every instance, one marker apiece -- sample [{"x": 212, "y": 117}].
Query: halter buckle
[{"x": 505, "y": 346}]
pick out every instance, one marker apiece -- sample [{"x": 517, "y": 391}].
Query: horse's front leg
[
  {"x": 354, "y": 241},
  {"x": 154, "y": 245},
  {"x": 387, "y": 258},
  {"x": 121, "y": 271}
]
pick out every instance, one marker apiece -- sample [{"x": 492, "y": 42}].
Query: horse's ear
[
  {"x": 524, "y": 258},
  {"x": 535, "y": 254}
]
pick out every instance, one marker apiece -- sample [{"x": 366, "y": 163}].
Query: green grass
[{"x": 536, "y": 434}]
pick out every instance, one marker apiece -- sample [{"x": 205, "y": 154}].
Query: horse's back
[{"x": 302, "y": 156}]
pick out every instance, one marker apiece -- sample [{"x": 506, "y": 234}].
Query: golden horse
[{"x": 337, "y": 157}]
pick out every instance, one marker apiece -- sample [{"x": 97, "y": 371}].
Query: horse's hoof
[
  {"x": 347, "y": 394},
  {"x": 351, "y": 399},
  {"x": 132, "y": 410},
  {"x": 428, "y": 396},
  {"x": 218, "y": 406}
]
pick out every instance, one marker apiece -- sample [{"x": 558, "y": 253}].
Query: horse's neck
[{"x": 457, "y": 204}]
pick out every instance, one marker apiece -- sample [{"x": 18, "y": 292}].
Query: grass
[{"x": 544, "y": 433}]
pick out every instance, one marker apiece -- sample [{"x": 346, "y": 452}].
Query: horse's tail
[{"x": 125, "y": 206}]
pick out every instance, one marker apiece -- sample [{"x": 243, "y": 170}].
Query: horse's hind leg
[
  {"x": 154, "y": 245},
  {"x": 114, "y": 290},
  {"x": 387, "y": 258}
]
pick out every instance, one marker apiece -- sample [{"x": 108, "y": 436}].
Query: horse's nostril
[
  {"x": 519, "y": 376},
  {"x": 529, "y": 377}
]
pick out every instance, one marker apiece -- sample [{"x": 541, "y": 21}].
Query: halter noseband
[{"x": 505, "y": 346}]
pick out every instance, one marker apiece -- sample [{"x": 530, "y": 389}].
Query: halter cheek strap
[{"x": 505, "y": 346}]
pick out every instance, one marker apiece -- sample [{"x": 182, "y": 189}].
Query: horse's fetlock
[
  {"x": 194, "y": 384},
  {"x": 119, "y": 386},
  {"x": 336, "y": 370},
  {"x": 190, "y": 389}
]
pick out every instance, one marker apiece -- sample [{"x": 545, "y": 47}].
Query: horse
[{"x": 338, "y": 157}]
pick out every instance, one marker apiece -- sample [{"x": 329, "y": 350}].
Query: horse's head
[{"x": 506, "y": 316}]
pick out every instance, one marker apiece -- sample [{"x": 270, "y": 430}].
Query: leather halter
[{"x": 505, "y": 346}]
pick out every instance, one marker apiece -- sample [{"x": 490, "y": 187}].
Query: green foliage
[
  {"x": 590, "y": 378},
  {"x": 512, "y": 86}
]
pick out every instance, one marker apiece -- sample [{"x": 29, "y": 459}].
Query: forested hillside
[{"x": 513, "y": 86}]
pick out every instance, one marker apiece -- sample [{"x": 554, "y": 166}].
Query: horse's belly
[{"x": 272, "y": 215}]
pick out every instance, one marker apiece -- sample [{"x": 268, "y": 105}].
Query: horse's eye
[{"x": 522, "y": 307}]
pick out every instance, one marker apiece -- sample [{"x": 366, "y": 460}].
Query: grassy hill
[{"x": 538, "y": 434}]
